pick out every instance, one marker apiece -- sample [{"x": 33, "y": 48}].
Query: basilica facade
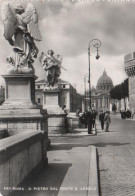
[{"x": 100, "y": 96}]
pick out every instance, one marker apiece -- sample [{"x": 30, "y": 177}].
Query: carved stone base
[
  {"x": 20, "y": 91},
  {"x": 51, "y": 101},
  {"x": 19, "y": 112},
  {"x": 57, "y": 124},
  {"x": 56, "y": 116}
]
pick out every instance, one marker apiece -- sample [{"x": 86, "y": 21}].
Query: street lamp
[
  {"x": 85, "y": 91},
  {"x": 73, "y": 88},
  {"x": 93, "y": 43}
]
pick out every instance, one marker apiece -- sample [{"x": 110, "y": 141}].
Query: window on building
[
  {"x": 39, "y": 100},
  {"x": 64, "y": 86},
  {"x": 38, "y": 86}
]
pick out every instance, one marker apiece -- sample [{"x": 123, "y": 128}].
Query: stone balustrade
[{"x": 21, "y": 155}]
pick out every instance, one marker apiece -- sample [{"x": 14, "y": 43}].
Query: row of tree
[{"x": 120, "y": 91}]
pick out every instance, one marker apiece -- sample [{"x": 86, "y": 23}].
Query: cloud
[
  {"x": 67, "y": 28},
  {"x": 72, "y": 27}
]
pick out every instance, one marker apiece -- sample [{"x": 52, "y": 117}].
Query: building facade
[
  {"x": 100, "y": 96},
  {"x": 69, "y": 99},
  {"x": 129, "y": 63}
]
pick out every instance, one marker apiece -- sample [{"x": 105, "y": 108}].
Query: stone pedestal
[
  {"x": 51, "y": 101},
  {"x": 20, "y": 90},
  {"x": 19, "y": 112},
  {"x": 72, "y": 121},
  {"x": 56, "y": 116}
]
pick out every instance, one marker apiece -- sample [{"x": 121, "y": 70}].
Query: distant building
[
  {"x": 129, "y": 64},
  {"x": 100, "y": 96},
  {"x": 69, "y": 98}
]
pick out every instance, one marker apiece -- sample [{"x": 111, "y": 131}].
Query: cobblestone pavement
[
  {"x": 116, "y": 151},
  {"x": 117, "y": 160}
]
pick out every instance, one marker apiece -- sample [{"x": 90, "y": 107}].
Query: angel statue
[
  {"x": 52, "y": 66},
  {"x": 20, "y": 30}
]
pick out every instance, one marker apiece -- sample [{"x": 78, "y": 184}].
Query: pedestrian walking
[
  {"x": 94, "y": 115},
  {"x": 89, "y": 121},
  {"x": 93, "y": 118},
  {"x": 101, "y": 119},
  {"x": 84, "y": 119},
  {"x": 107, "y": 121}
]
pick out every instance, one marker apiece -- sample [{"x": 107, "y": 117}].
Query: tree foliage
[{"x": 120, "y": 91}]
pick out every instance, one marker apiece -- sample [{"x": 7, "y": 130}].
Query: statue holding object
[
  {"x": 20, "y": 30},
  {"x": 52, "y": 66}
]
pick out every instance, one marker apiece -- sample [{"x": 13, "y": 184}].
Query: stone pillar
[
  {"x": 108, "y": 103},
  {"x": 19, "y": 91},
  {"x": 99, "y": 103},
  {"x": 51, "y": 101},
  {"x": 56, "y": 116},
  {"x": 103, "y": 102},
  {"x": 20, "y": 112}
]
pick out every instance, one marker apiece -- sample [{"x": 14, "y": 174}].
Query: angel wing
[
  {"x": 30, "y": 17},
  {"x": 9, "y": 20}
]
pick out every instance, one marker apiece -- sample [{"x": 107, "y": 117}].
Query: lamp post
[
  {"x": 73, "y": 89},
  {"x": 93, "y": 43},
  {"x": 85, "y": 91}
]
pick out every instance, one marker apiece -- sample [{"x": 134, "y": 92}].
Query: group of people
[
  {"x": 89, "y": 119},
  {"x": 105, "y": 118}
]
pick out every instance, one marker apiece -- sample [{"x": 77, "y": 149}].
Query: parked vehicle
[{"x": 125, "y": 114}]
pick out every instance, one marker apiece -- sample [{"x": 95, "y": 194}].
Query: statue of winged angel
[
  {"x": 52, "y": 66},
  {"x": 20, "y": 30}
]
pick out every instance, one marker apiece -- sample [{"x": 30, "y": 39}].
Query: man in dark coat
[
  {"x": 89, "y": 121},
  {"x": 94, "y": 114},
  {"x": 101, "y": 119},
  {"x": 83, "y": 119}
]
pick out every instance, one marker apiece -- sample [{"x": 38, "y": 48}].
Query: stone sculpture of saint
[
  {"x": 21, "y": 30},
  {"x": 52, "y": 66}
]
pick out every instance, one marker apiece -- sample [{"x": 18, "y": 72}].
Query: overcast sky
[{"x": 67, "y": 27}]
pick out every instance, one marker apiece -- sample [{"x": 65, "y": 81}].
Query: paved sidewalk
[
  {"x": 72, "y": 171},
  {"x": 116, "y": 150}
]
